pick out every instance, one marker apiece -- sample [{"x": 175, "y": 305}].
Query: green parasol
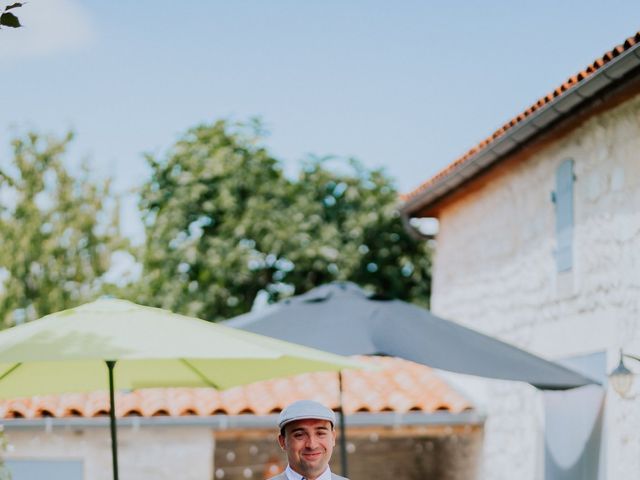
[{"x": 134, "y": 346}]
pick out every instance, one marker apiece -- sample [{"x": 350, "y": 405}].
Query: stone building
[
  {"x": 538, "y": 244},
  {"x": 403, "y": 421}
]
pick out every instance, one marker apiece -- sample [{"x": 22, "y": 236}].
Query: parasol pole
[
  {"x": 343, "y": 431},
  {"x": 112, "y": 417}
]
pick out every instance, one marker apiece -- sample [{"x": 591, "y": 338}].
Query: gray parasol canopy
[{"x": 342, "y": 318}]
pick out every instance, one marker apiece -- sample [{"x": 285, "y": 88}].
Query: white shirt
[{"x": 291, "y": 475}]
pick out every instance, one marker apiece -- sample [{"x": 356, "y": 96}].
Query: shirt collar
[{"x": 291, "y": 475}]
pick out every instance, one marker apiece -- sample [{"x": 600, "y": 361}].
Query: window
[
  {"x": 45, "y": 469},
  {"x": 563, "y": 200}
]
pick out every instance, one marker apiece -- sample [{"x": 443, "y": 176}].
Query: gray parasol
[{"x": 342, "y": 318}]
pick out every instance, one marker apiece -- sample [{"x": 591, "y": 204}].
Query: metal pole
[
  {"x": 343, "y": 433},
  {"x": 112, "y": 418}
]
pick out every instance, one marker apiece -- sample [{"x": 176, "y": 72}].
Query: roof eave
[
  {"x": 227, "y": 422},
  {"x": 522, "y": 132}
]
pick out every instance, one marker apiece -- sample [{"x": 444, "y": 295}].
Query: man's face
[{"x": 308, "y": 444}]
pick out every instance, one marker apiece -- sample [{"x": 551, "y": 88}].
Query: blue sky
[{"x": 405, "y": 85}]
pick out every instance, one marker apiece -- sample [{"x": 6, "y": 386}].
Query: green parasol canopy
[{"x": 129, "y": 346}]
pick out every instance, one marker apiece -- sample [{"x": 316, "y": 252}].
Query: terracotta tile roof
[
  {"x": 399, "y": 386},
  {"x": 571, "y": 83}
]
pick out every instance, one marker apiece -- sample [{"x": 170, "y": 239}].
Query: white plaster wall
[
  {"x": 494, "y": 270},
  {"x": 144, "y": 453}
]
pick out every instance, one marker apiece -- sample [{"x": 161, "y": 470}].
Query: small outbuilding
[{"x": 403, "y": 422}]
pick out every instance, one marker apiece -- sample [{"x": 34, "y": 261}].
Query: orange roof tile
[
  {"x": 398, "y": 386},
  {"x": 570, "y": 83}
]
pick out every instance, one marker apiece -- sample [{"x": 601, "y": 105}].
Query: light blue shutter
[{"x": 564, "y": 215}]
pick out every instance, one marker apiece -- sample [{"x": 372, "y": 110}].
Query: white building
[{"x": 539, "y": 244}]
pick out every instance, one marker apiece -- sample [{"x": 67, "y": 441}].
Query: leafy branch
[{"x": 8, "y": 19}]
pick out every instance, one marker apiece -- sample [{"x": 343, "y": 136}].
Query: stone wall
[
  {"x": 145, "y": 453},
  {"x": 441, "y": 453},
  {"x": 494, "y": 270},
  {"x": 199, "y": 453}
]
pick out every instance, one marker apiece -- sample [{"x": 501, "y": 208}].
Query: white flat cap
[{"x": 303, "y": 410}]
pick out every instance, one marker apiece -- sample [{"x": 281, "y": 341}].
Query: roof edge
[
  {"x": 604, "y": 72},
  {"x": 228, "y": 422}
]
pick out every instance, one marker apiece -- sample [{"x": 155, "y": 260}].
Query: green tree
[
  {"x": 58, "y": 232},
  {"x": 224, "y": 224},
  {"x": 349, "y": 228}
]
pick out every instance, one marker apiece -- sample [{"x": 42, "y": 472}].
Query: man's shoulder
[{"x": 281, "y": 476}]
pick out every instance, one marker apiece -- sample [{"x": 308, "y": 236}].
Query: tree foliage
[
  {"x": 224, "y": 224},
  {"x": 8, "y": 18},
  {"x": 58, "y": 232}
]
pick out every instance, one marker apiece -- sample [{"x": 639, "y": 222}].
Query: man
[{"x": 307, "y": 436}]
